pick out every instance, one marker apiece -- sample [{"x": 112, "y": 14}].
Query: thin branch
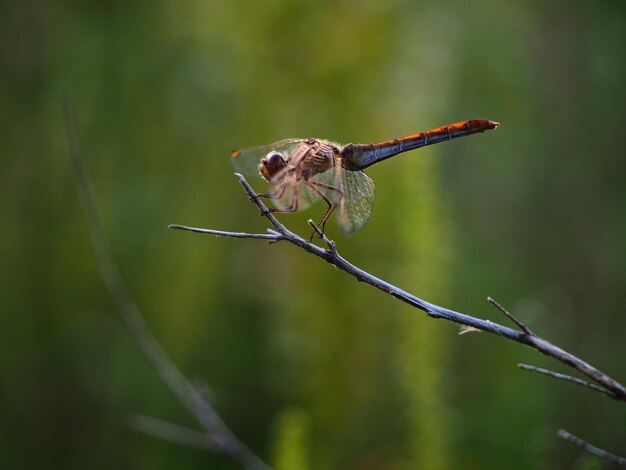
[
  {"x": 525, "y": 337},
  {"x": 221, "y": 233},
  {"x": 577, "y": 441},
  {"x": 172, "y": 432},
  {"x": 522, "y": 326},
  {"x": 204, "y": 413},
  {"x": 331, "y": 245},
  {"x": 567, "y": 378}
]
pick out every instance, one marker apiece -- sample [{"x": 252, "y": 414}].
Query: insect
[{"x": 301, "y": 172}]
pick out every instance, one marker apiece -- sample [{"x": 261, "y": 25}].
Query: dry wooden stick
[
  {"x": 330, "y": 254},
  {"x": 607, "y": 385},
  {"x": 567, "y": 378}
]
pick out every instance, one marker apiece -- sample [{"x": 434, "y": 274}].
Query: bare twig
[
  {"x": 568, "y": 378},
  {"x": 205, "y": 414},
  {"x": 220, "y": 233},
  {"x": 526, "y": 337},
  {"x": 522, "y": 326},
  {"x": 172, "y": 432},
  {"x": 577, "y": 441},
  {"x": 329, "y": 243}
]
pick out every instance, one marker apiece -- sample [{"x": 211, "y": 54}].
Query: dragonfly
[{"x": 301, "y": 172}]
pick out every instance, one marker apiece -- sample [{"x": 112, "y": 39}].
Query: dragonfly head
[{"x": 271, "y": 164}]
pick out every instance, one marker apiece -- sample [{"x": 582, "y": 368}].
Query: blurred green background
[{"x": 308, "y": 367}]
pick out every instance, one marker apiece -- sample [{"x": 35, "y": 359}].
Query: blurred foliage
[
  {"x": 291, "y": 446},
  {"x": 427, "y": 262},
  {"x": 533, "y": 214}
]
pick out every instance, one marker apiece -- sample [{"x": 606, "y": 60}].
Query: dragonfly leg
[
  {"x": 276, "y": 194},
  {"x": 331, "y": 206},
  {"x": 293, "y": 206}
]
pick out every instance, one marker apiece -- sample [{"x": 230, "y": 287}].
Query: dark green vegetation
[{"x": 302, "y": 360}]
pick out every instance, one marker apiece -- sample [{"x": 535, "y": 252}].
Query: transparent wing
[
  {"x": 359, "y": 194},
  {"x": 307, "y": 196},
  {"x": 355, "y": 206},
  {"x": 246, "y": 161},
  {"x": 302, "y": 192},
  {"x": 328, "y": 178}
]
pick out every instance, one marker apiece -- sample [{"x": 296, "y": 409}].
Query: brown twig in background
[
  {"x": 221, "y": 436},
  {"x": 577, "y": 441}
]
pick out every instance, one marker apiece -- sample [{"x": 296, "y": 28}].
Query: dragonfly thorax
[{"x": 271, "y": 164}]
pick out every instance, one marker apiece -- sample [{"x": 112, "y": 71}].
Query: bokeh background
[{"x": 308, "y": 367}]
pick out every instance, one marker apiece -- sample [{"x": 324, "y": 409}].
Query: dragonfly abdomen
[{"x": 364, "y": 155}]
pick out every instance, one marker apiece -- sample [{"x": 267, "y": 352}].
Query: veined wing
[
  {"x": 359, "y": 194},
  {"x": 306, "y": 196},
  {"x": 355, "y": 206},
  {"x": 292, "y": 189},
  {"x": 246, "y": 161},
  {"x": 327, "y": 179}
]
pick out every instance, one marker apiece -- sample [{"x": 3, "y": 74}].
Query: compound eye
[{"x": 275, "y": 159}]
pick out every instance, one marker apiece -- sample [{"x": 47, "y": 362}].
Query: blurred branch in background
[
  {"x": 524, "y": 335},
  {"x": 222, "y": 438},
  {"x": 577, "y": 441},
  {"x": 172, "y": 432}
]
